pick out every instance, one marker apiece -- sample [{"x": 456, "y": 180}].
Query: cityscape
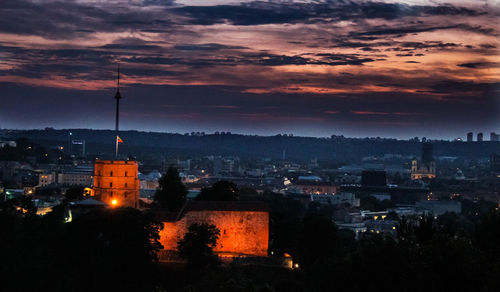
[{"x": 249, "y": 145}]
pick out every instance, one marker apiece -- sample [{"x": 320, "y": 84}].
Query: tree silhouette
[
  {"x": 318, "y": 241},
  {"x": 171, "y": 192},
  {"x": 197, "y": 246},
  {"x": 75, "y": 193},
  {"x": 220, "y": 191}
]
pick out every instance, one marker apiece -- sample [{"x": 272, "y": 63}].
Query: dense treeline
[
  {"x": 453, "y": 252},
  {"x": 103, "y": 250},
  {"x": 150, "y": 144},
  {"x": 115, "y": 250}
]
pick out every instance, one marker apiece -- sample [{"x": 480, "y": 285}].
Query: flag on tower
[{"x": 119, "y": 140}]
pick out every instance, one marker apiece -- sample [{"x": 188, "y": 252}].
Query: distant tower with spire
[{"x": 118, "y": 96}]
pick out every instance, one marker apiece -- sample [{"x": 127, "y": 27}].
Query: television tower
[{"x": 118, "y": 96}]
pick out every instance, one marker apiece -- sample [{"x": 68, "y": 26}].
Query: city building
[
  {"x": 116, "y": 182},
  {"x": 438, "y": 208},
  {"x": 46, "y": 179},
  {"x": 338, "y": 199},
  {"x": 243, "y": 226},
  {"x": 78, "y": 148},
  {"x": 479, "y": 137},
  {"x": 314, "y": 187},
  {"x": 78, "y": 176},
  {"x": 426, "y": 167},
  {"x": 470, "y": 137},
  {"x": 494, "y": 137}
]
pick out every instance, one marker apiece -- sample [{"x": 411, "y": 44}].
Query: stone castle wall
[{"x": 241, "y": 232}]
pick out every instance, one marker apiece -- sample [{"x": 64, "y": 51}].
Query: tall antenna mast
[{"x": 118, "y": 97}]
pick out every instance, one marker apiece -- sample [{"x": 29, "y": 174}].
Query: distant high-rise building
[
  {"x": 470, "y": 137},
  {"x": 479, "y": 137},
  {"x": 426, "y": 167},
  {"x": 78, "y": 148},
  {"x": 494, "y": 137}
]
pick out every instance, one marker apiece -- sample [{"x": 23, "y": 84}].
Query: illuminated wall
[
  {"x": 241, "y": 232},
  {"x": 116, "y": 182}
]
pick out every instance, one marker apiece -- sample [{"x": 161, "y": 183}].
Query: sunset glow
[{"x": 391, "y": 68}]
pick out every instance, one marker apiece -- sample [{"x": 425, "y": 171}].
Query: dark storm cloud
[
  {"x": 261, "y": 59},
  {"x": 63, "y": 19},
  {"x": 479, "y": 65},
  {"x": 453, "y": 86},
  {"x": 132, "y": 47},
  {"x": 400, "y": 31},
  {"x": 343, "y": 59},
  {"x": 255, "y": 13},
  {"x": 205, "y": 47}
]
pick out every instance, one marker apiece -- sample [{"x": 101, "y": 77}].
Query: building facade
[
  {"x": 116, "y": 182},
  {"x": 426, "y": 167}
]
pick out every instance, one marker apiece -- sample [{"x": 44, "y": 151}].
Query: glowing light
[
  {"x": 114, "y": 202},
  {"x": 296, "y": 265}
]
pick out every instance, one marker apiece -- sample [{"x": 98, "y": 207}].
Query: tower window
[
  {"x": 111, "y": 173},
  {"x": 126, "y": 193},
  {"x": 111, "y": 194},
  {"x": 110, "y": 184},
  {"x": 126, "y": 185},
  {"x": 125, "y": 173}
]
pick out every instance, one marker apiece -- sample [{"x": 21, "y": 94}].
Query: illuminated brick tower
[{"x": 116, "y": 182}]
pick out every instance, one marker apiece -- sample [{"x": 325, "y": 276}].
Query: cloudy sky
[{"x": 312, "y": 68}]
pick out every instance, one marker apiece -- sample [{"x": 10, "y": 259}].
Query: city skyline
[{"x": 355, "y": 68}]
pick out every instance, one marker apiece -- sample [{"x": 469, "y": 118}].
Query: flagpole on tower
[
  {"x": 116, "y": 152},
  {"x": 117, "y": 97}
]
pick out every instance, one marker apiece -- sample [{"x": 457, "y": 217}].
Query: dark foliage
[
  {"x": 154, "y": 145},
  {"x": 220, "y": 191},
  {"x": 75, "y": 193},
  {"x": 105, "y": 250},
  {"x": 171, "y": 192},
  {"x": 318, "y": 241},
  {"x": 197, "y": 247}
]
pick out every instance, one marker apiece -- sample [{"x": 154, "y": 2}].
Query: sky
[{"x": 312, "y": 68}]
